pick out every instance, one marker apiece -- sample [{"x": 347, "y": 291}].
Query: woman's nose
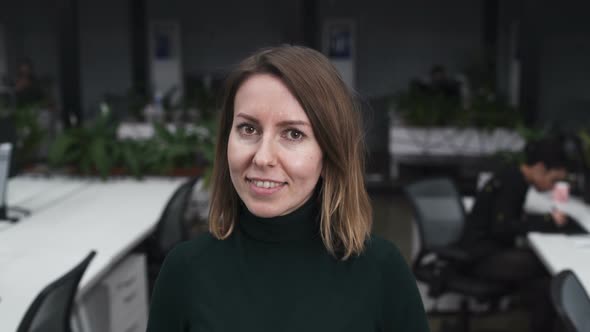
[{"x": 265, "y": 155}]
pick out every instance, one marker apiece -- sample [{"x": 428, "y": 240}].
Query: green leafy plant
[
  {"x": 95, "y": 149},
  {"x": 29, "y": 131},
  {"x": 421, "y": 105},
  {"x": 420, "y": 108},
  {"x": 174, "y": 148},
  {"x": 90, "y": 149},
  {"x": 490, "y": 111},
  {"x": 136, "y": 157}
]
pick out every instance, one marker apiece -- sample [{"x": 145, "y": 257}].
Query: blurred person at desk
[
  {"x": 497, "y": 225},
  {"x": 289, "y": 247},
  {"x": 27, "y": 87}
]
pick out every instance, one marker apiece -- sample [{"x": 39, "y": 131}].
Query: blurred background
[
  {"x": 516, "y": 66},
  {"x": 131, "y": 88}
]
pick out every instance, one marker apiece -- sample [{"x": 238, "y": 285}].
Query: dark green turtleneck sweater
[{"x": 275, "y": 275}]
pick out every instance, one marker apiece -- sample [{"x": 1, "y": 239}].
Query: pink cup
[{"x": 561, "y": 192}]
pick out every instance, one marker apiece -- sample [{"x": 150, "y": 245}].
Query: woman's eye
[
  {"x": 294, "y": 135},
  {"x": 247, "y": 129}
]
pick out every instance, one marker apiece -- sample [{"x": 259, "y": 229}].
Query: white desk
[
  {"x": 37, "y": 193},
  {"x": 109, "y": 217},
  {"x": 559, "y": 252}
]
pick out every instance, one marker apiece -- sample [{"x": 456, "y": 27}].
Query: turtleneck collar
[{"x": 299, "y": 225}]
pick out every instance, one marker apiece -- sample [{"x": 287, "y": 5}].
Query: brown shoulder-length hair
[{"x": 346, "y": 214}]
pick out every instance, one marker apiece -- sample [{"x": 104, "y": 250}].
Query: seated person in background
[
  {"x": 27, "y": 87},
  {"x": 497, "y": 221},
  {"x": 497, "y": 217}
]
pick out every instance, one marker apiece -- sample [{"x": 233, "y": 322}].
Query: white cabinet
[{"x": 119, "y": 303}]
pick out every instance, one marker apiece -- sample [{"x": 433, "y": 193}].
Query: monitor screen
[{"x": 5, "y": 151}]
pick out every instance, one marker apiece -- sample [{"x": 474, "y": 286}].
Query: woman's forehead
[{"x": 265, "y": 97}]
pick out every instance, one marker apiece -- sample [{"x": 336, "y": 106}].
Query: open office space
[{"x": 475, "y": 119}]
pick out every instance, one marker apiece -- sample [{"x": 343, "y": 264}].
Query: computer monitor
[{"x": 5, "y": 155}]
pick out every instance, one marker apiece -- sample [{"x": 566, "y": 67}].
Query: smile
[{"x": 267, "y": 184}]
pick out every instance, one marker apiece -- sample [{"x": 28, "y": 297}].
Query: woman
[{"x": 289, "y": 247}]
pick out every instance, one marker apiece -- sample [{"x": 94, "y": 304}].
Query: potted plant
[{"x": 90, "y": 149}]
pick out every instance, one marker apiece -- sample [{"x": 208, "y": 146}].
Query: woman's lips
[{"x": 265, "y": 187}]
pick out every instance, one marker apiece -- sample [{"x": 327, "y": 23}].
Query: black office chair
[
  {"x": 571, "y": 301},
  {"x": 440, "y": 264},
  {"x": 172, "y": 228},
  {"x": 52, "y": 308}
]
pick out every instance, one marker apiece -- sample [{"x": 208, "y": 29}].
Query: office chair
[
  {"x": 571, "y": 301},
  {"x": 52, "y": 308},
  {"x": 440, "y": 264},
  {"x": 172, "y": 228}
]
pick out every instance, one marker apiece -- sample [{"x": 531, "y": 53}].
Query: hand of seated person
[{"x": 559, "y": 218}]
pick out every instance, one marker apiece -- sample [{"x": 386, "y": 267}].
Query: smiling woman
[
  {"x": 289, "y": 247},
  {"x": 274, "y": 159}
]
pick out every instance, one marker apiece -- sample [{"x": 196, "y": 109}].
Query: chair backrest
[
  {"x": 571, "y": 301},
  {"x": 438, "y": 211},
  {"x": 172, "y": 227},
  {"x": 52, "y": 308}
]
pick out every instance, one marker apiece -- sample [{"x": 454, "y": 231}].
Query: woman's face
[{"x": 274, "y": 159}]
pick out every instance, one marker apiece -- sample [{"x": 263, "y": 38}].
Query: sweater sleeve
[
  {"x": 402, "y": 308},
  {"x": 168, "y": 304}
]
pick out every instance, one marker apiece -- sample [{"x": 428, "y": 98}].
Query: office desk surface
[
  {"x": 109, "y": 217},
  {"x": 32, "y": 191},
  {"x": 560, "y": 252},
  {"x": 33, "y": 194}
]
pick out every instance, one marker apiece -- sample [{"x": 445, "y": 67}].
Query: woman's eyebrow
[
  {"x": 293, "y": 123},
  {"x": 247, "y": 117},
  {"x": 284, "y": 123}
]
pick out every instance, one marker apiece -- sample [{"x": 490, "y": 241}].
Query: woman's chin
[{"x": 266, "y": 209}]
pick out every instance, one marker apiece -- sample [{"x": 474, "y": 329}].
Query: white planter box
[{"x": 407, "y": 143}]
